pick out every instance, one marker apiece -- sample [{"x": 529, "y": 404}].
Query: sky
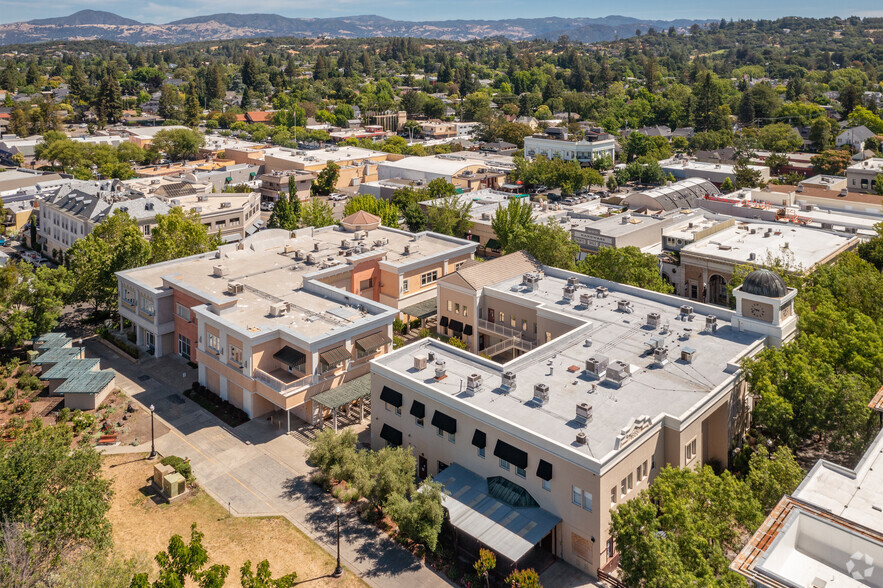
[{"x": 161, "y": 11}]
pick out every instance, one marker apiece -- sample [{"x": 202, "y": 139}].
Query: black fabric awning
[
  {"x": 443, "y": 321},
  {"x": 493, "y": 244},
  {"x": 544, "y": 470},
  {"x": 335, "y": 356},
  {"x": 512, "y": 454},
  {"x": 372, "y": 342},
  {"x": 479, "y": 439},
  {"x": 456, "y": 326},
  {"x": 444, "y": 422},
  {"x": 290, "y": 356},
  {"x": 390, "y": 396},
  {"x": 467, "y": 329},
  {"x": 418, "y": 409},
  {"x": 391, "y": 434}
]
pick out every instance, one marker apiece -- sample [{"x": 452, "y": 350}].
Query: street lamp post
[
  {"x": 152, "y": 439},
  {"x": 338, "y": 571}
]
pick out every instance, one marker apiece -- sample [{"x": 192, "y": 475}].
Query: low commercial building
[
  {"x": 705, "y": 267},
  {"x": 143, "y": 136},
  {"x": 282, "y": 317},
  {"x": 536, "y": 452},
  {"x": 828, "y": 533},
  {"x": 14, "y": 181},
  {"x": 464, "y": 171},
  {"x": 17, "y": 214},
  {"x": 628, "y": 229},
  {"x": 555, "y": 142},
  {"x": 683, "y": 194},
  {"x": 274, "y": 184},
  {"x": 716, "y": 173},
  {"x": 860, "y": 177}
]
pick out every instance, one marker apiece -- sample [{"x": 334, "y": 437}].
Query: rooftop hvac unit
[
  {"x": 411, "y": 248},
  {"x": 581, "y": 438},
  {"x": 602, "y": 291},
  {"x": 617, "y": 373},
  {"x": 583, "y": 412},
  {"x": 299, "y": 254},
  {"x": 624, "y": 305},
  {"x": 656, "y": 342},
  {"x": 345, "y": 243},
  {"x": 473, "y": 383},
  {"x": 485, "y": 216},
  {"x": 653, "y": 319},
  {"x": 202, "y": 198},
  {"x": 597, "y": 365},
  {"x": 278, "y": 308},
  {"x": 686, "y": 311},
  {"x": 569, "y": 291},
  {"x": 688, "y": 354},
  {"x": 585, "y": 299},
  {"x": 235, "y": 288},
  {"x": 660, "y": 356},
  {"x": 315, "y": 245},
  {"x": 219, "y": 271},
  {"x": 573, "y": 281},
  {"x": 711, "y": 323},
  {"x": 378, "y": 243},
  {"x": 226, "y": 205},
  {"x": 509, "y": 381},
  {"x": 430, "y": 355},
  {"x": 311, "y": 258},
  {"x": 531, "y": 280},
  {"x": 541, "y": 394},
  {"x": 440, "y": 369},
  {"x": 361, "y": 235},
  {"x": 419, "y": 362}
]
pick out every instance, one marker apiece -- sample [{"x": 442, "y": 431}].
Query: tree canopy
[
  {"x": 179, "y": 234},
  {"x": 626, "y": 265}
]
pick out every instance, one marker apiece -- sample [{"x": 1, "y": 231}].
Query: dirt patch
[{"x": 142, "y": 524}]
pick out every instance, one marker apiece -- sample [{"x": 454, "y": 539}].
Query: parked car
[
  {"x": 337, "y": 196},
  {"x": 268, "y": 206}
]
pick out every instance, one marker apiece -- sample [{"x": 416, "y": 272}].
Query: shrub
[
  {"x": 64, "y": 415},
  {"x": 9, "y": 394},
  {"x": 421, "y": 517},
  {"x": 23, "y": 406},
  {"x": 29, "y": 382},
  {"x": 82, "y": 421},
  {"x": 334, "y": 453},
  {"x": 457, "y": 342},
  {"x": 415, "y": 323},
  {"x": 397, "y": 342},
  {"x": 424, "y": 333},
  {"x": 181, "y": 466},
  {"x": 523, "y": 579},
  {"x": 398, "y": 325}
]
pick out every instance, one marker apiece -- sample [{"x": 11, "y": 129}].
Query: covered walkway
[{"x": 346, "y": 396}]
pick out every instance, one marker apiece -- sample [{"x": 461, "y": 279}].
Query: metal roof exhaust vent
[
  {"x": 624, "y": 306},
  {"x": 541, "y": 394},
  {"x": 583, "y": 412},
  {"x": 602, "y": 291},
  {"x": 711, "y": 323},
  {"x": 597, "y": 365},
  {"x": 419, "y": 362},
  {"x": 686, "y": 312},
  {"x": 585, "y": 299},
  {"x": 573, "y": 281},
  {"x": 653, "y": 319},
  {"x": 473, "y": 383},
  {"x": 569, "y": 291},
  {"x": 509, "y": 381},
  {"x": 581, "y": 438},
  {"x": 431, "y": 356},
  {"x": 688, "y": 354},
  {"x": 660, "y": 356},
  {"x": 440, "y": 369}
]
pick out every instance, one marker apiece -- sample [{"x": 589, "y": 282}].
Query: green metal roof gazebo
[
  {"x": 345, "y": 393},
  {"x": 422, "y": 310}
]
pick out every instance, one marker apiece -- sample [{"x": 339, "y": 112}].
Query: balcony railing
[
  {"x": 506, "y": 344},
  {"x": 284, "y": 388},
  {"x": 504, "y": 331}
]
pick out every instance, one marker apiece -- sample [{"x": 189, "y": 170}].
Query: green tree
[
  {"x": 326, "y": 180},
  {"x": 680, "y": 531},
  {"x": 115, "y": 244},
  {"x": 779, "y": 137},
  {"x": 821, "y": 133},
  {"x": 746, "y": 176},
  {"x": 421, "y": 517},
  {"x": 872, "y": 249},
  {"x": 727, "y": 186},
  {"x": 450, "y": 215},
  {"x": 178, "y": 144},
  {"x": 180, "y": 234},
  {"x": 878, "y": 185},
  {"x": 261, "y": 578},
  {"x": 626, "y": 265},
  {"x": 439, "y": 188},
  {"x": 380, "y": 475},
  {"x": 523, "y": 579},
  {"x": 516, "y": 216},
  {"x": 549, "y": 243},
  {"x": 31, "y": 301},
  {"x": 387, "y": 211},
  {"x": 317, "y": 213},
  {"x": 109, "y": 106},
  {"x": 58, "y": 491},
  {"x": 192, "y": 109},
  {"x": 334, "y": 453},
  {"x": 169, "y": 103},
  {"x": 284, "y": 215},
  {"x": 831, "y": 162},
  {"x": 485, "y": 563},
  {"x": 772, "y": 476},
  {"x": 182, "y": 561}
]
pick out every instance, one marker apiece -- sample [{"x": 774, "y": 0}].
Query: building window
[
  {"x": 182, "y": 311},
  {"x": 450, "y": 306},
  {"x": 513, "y": 321},
  {"x": 429, "y": 278},
  {"x": 405, "y": 285},
  {"x": 236, "y": 355},
  {"x": 147, "y": 306},
  {"x": 366, "y": 284},
  {"x": 523, "y": 324},
  {"x": 613, "y": 495},
  {"x": 183, "y": 346},
  {"x": 644, "y": 469},
  {"x": 587, "y": 501},
  {"x": 146, "y": 230},
  {"x": 576, "y": 495},
  {"x": 520, "y": 472},
  {"x": 149, "y": 339},
  {"x": 691, "y": 450},
  {"x": 481, "y": 452},
  {"x": 214, "y": 342},
  {"x": 452, "y": 437},
  {"x": 547, "y": 485},
  {"x": 419, "y": 421},
  {"x": 128, "y": 297},
  {"x": 638, "y": 475},
  {"x": 234, "y": 222},
  {"x": 623, "y": 489},
  {"x": 504, "y": 464},
  {"x": 652, "y": 462},
  {"x": 631, "y": 482},
  {"x": 458, "y": 265},
  {"x": 439, "y": 432},
  {"x": 465, "y": 311},
  {"x": 442, "y": 466},
  {"x": 503, "y": 318}
]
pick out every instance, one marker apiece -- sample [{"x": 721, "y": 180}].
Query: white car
[
  {"x": 268, "y": 206},
  {"x": 337, "y": 197}
]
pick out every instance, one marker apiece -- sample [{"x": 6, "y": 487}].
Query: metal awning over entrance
[
  {"x": 335, "y": 356},
  {"x": 422, "y": 310},
  {"x": 510, "y": 531},
  {"x": 373, "y": 342},
  {"x": 345, "y": 393}
]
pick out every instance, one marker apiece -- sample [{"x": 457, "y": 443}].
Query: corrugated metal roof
[
  {"x": 511, "y": 532},
  {"x": 345, "y": 393},
  {"x": 58, "y": 355},
  {"x": 71, "y": 368},
  {"x": 87, "y": 383}
]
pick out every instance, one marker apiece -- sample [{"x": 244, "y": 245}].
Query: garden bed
[{"x": 216, "y": 405}]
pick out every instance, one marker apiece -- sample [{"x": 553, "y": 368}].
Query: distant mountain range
[{"x": 93, "y": 24}]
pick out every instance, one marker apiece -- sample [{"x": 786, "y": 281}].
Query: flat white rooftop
[{"x": 600, "y": 331}]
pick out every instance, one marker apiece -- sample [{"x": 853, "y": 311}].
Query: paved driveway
[{"x": 255, "y": 470}]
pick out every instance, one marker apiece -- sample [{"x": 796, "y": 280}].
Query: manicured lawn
[{"x": 143, "y": 526}]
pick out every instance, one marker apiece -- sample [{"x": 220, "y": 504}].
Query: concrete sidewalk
[{"x": 257, "y": 471}]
